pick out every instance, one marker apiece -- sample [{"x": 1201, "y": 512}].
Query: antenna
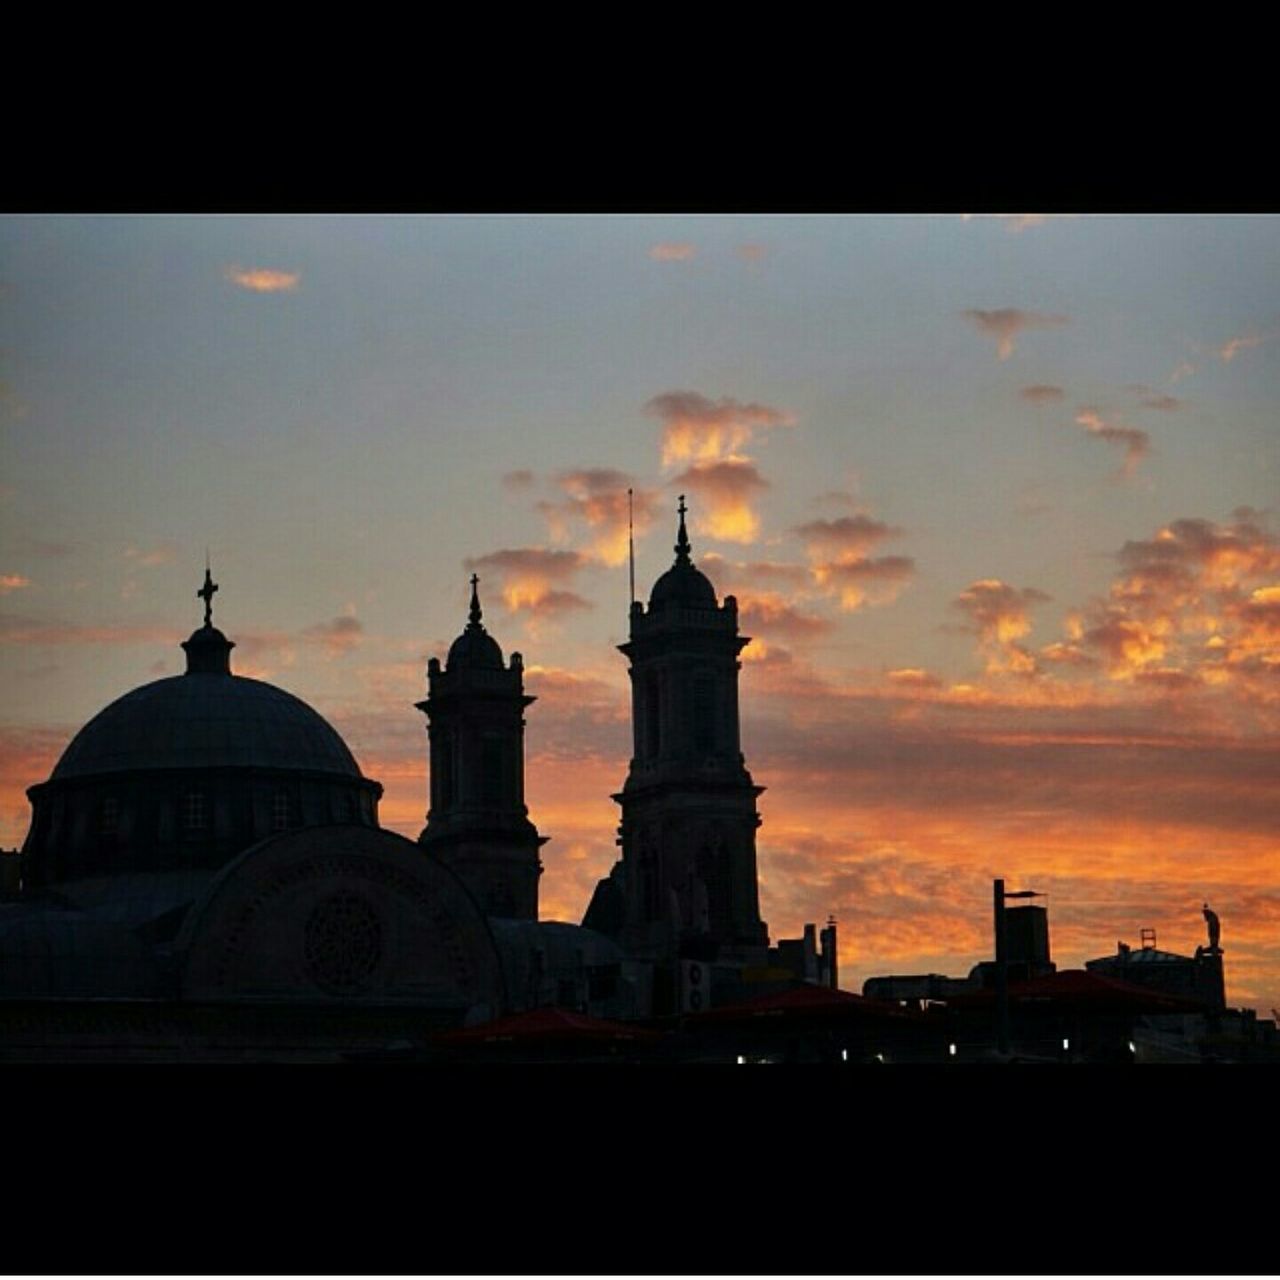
[{"x": 631, "y": 543}]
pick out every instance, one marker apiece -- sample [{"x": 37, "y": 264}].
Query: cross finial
[
  {"x": 206, "y": 594},
  {"x": 475, "y": 614},
  {"x": 682, "y": 538}
]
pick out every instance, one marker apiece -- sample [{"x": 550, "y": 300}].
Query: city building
[{"x": 205, "y": 876}]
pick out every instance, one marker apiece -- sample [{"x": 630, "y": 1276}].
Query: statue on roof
[{"x": 1215, "y": 929}]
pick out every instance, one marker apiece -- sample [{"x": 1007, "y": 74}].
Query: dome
[
  {"x": 684, "y": 585},
  {"x": 206, "y": 721},
  {"x": 475, "y": 647}
]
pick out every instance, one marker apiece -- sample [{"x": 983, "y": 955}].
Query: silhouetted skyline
[{"x": 992, "y": 495}]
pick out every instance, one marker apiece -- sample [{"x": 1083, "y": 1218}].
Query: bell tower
[
  {"x": 477, "y": 821},
  {"x": 688, "y": 829}
]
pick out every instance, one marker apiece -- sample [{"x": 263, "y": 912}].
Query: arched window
[
  {"x": 652, "y": 716},
  {"x": 281, "y": 811},
  {"x": 702, "y": 710},
  {"x": 193, "y": 811},
  {"x": 109, "y": 816}
]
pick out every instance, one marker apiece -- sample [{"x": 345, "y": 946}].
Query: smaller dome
[
  {"x": 475, "y": 647},
  {"x": 683, "y": 583}
]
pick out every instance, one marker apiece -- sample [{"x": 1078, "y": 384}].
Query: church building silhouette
[{"x": 205, "y": 869}]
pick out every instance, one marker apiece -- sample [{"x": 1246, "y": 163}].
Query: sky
[{"x": 996, "y": 494}]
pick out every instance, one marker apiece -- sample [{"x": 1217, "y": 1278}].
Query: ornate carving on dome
[{"x": 342, "y": 943}]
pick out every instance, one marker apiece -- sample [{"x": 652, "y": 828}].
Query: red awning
[{"x": 557, "y": 1025}]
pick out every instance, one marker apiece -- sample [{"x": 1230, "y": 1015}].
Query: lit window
[{"x": 193, "y": 816}]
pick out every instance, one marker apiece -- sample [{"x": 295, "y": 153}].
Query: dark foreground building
[{"x": 205, "y": 878}]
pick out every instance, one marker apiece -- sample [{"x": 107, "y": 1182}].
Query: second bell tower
[
  {"x": 478, "y": 821},
  {"x": 689, "y": 819}
]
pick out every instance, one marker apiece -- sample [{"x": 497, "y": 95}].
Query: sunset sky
[{"x": 997, "y": 496}]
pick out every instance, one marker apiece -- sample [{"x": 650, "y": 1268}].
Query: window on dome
[
  {"x": 703, "y": 713},
  {"x": 652, "y": 716},
  {"x": 193, "y": 811},
  {"x": 491, "y": 771},
  {"x": 109, "y": 816},
  {"x": 281, "y": 811}
]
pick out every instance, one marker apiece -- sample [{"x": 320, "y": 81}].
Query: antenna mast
[{"x": 631, "y": 544}]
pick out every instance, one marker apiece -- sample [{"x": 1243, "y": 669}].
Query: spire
[
  {"x": 208, "y": 650},
  {"x": 473, "y": 622},
  {"x": 206, "y": 592},
  {"x": 682, "y": 538}
]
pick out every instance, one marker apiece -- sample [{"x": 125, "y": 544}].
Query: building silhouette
[{"x": 205, "y": 866}]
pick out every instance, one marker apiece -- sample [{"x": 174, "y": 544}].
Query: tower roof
[
  {"x": 475, "y": 647},
  {"x": 683, "y": 584}
]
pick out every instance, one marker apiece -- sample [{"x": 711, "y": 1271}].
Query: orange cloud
[
  {"x": 1016, "y": 222},
  {"x": 1183, "y": 370},
  {"x": 999, "y": 614},
  {"x": 150, "y": 558},
  {"x": 37, "y": 632},
  {"x": 752, "y": 252},
  {"x": 726, "y": 487},
  {"x": 701, "y": 430},
  {"x": 597, "y": 496},
  {"x": 1136, "y": 443},
  {"x": 13, "y": 582},
  {"x": 1006, "y": 323},
  {"x": 839, "y": 562},
  {"x": 772, "y": 614},
  {"x": 1233, "y": 346},
  {"x": 672, "y": 251},
  {"x": 530, "y": 578},
  {"x": 1041, "y": 393},
  {"x": 263, "y": 279}
]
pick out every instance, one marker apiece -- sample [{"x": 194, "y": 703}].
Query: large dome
[
  {"x": 203, "y": 722},
  {"x": 185, "y": 773}
]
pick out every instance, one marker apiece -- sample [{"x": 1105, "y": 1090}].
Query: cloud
[
  {"x": 1000, "y": 616},
  {"x": 847, "y": 536},
  {"x": 531, "y": 579},
  {"x": 13, "y": 582},
  {"x": 672, "y": 251},
  {"x": 151, "y": 557},
  {"x": 338, "y": 636},
  {"x": 597, "y": 498},
  {"x": 1198, "y": 597},
  {"x": 726, "y": 488},
  {"x": 1136, "y": 443},
  {"x": 52, "y": 631},
  {"x": 1150, "y": 398},
  {"x": 701, "y": 430},
  {"x": 1233, "y": 346},
  {"x": 39, "y": 547},
  {"x": 1006, "y": 323},
  {"x": 770, "y": 613},
  {"x": 1016, "y": 222},
  {"x": 263, "y": 279},
  {"x": 914, "y": 678},
  {"x": 866, "y": 581},
  {"x": 1041, "y": 393},
  {"x": 839, "y": 562},
  {"x": 752, "y": 252},
  {"x": 518, "y": 481},
  {"x": 1184, "y": 370}
]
